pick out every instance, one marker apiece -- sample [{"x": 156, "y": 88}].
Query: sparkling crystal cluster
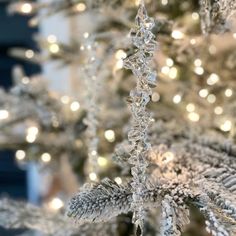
[
  {"x": 143, "y": 40},
  {"x": 90, "y": 70}
]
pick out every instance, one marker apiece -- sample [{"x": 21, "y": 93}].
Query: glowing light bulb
[
  {"x": 118, "y": 180},
  {"x": 110, "y": 135},
  {"x": 211, "y": 98},
  {"x": 165, "y": 70},
  {"x": 86, "y": 35},
  {"x": 46, "y": 157},
  {"x": 176, "y": 34},
  {"x": 203, "y": 93},
  {"x": 75, "y": 106},
  {"x": 213, "y": 79},
  {"x": 190, "y": 107},
  {"x": 120, "y": 54},
  {"x": 164, "y": 2},
  {"x": 65, "y": 99},
  {"x": 167, "y": 157},
  {"x": 218, "y": 110},
  {"x": 173, "y": 72},
  {"x": 52, "y": 38},
  {"x": 193, "y": 41},
  {"x": 193, "y": 116},
  {"x": 94, "y": 153},
  {"x": 228, "y": 92},
  {"x": 80, "y": 7},
  {"x": 177, "y": 98},
  {"x": 93, "y": 176},
  {"x": 32, "y": 133},
  {"x": 234, "y": 35},
  {"x": 20, "y": 155},
  {"x": 54, "y": 48},
  {"x": 199, "y": 70},
  {"x": 169, "y": 62},
  {"x": 156, "y": 97},
  {"x": 4, "y": 114},
  {"x": 26, "y": 8},
  {"x": 25, "y": 80},
  {"x": 29, "y": 53},
  {"x": 212, "y": 49},
  {"x": 55, "y": 204},
  {"x": 195, "y": 16},
  {"x": 198, "y": 62},
  {"x": 226, "y": 126},
  {"x": 102, "y": 161}
]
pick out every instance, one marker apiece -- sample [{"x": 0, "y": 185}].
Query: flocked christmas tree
[{"x": 165, "y": 168}]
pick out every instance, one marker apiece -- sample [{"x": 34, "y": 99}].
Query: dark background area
[{"x": 14, "y": 32}]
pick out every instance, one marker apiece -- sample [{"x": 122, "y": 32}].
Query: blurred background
[{"x": 63, "y": 111}]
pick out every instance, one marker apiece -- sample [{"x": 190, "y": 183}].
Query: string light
[
  {"x": 177, "y": 98},
  {"x": 195, "y": 16},
  {"x": 120, "y": 54},
  {"x": 212, "y": 49},
  {"x": 198, "y": 62},
  {"x": 80, "y": 7},
  {"x": 26, "y": 8},
  {"x": 102, "y": 161},
  {"x": 218, "y": 110},
  {"x": 193, "y": 116},
  {"x": 52, "y": 38},
  {"x": 156, "y": 97},
  {"x": 165, "y": 70},
  {"x": 94, "y": 153},
  {"x": 56, "y": 204},
  {"x": 4, "y": 114},
  {"x": 118, "y": 180},
  {"x": 190, "y": 107},
  {"x": 176, "y": 34},
  {"x": 193, "y": 41},
  {"x": 32, "y": 133},
  {"x": 228, "y": 92},
  {"x": 213, "y": 79},
  {"x": 54, "y": 48},
  {"x": 173, "y": 73},
  {"x": 109, "y": 135},
  {"x": 29, "y": 53},
  {"x": 226, "y": 126},
  {"x": 169, "y": 62},
  {"x": 211, "y": 98},
  {"x": 86, "y": 35},
  {"x": 203, "y": 93},
  {"x": 65, "y": 99},
  {"x": 93, "y": 176},
  {"x": 20, "y": 155},
  {"x": 234, "y": 35},
  {"x": 199, "y": 70},
  {"x": 75, "y": 106},
  {"x": 46, "y": 157},
  {"x": 25, "y": 80}
]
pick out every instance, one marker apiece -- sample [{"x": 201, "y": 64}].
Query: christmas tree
[{"x": 165, "y": 166}]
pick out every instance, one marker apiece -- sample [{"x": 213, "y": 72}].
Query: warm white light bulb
[
  {"x": 226, "y": 126},
  {"x": 109, "y": 135},
  {"x": 93, "y": 176},
  {"x": 56, "y": 204},
  {"x": 75, "y": 106},
  {"x": 4, "y": 114},
  {"x": 20, "y": 155},
  {"x": 102, "y": 161},
  {"x": 46, "y": 157},
  {"x": 177, "y": 98},
  {"x": 26, "y": 8}
]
